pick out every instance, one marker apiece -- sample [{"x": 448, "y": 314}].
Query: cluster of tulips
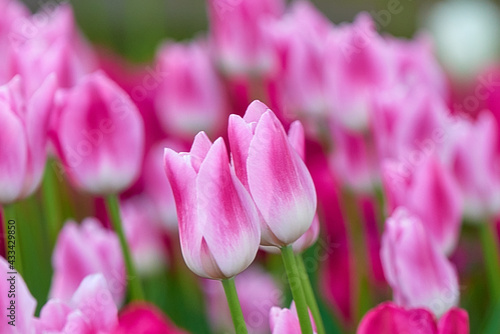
[{"x": 342, "y": 149}]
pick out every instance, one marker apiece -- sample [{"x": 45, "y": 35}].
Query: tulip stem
[
  {"x": 489, "y": 239},
  {"x": 310, "y": 297},
  {"x": 12, "y": 251},
  {"x": 295, "y": 283},
  {"x": 51, "y": 204},
  {"x": 234, "y": 306},
  {"x": 135, "y": 288}
]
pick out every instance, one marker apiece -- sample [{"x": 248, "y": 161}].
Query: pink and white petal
[
  {"x": 13, "y": 155},
  {"x": 53, "y": 316},
  {"x": 255, "y": 111},
  {"x": 226, "y": 213},
  {"x": 240, "y": 135},
  {"x": 199, "y": 149},
  {"x": 284, "y": 321},
  {"x": 296, "y": 137}
]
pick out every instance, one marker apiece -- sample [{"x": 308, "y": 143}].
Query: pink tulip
[
  {"x": 218, "y": 222},
  {"x": 91, "y": 309},
  {"x": 87, "y": 249},
  {"x": 418, "y": 272},
  {"x": 474, "y": 162},
  {"x": 99, "y": 136},
  {"x": 23, "y": 152},
  {"x": 274, "y": 173},
  {"x": 144, "y": 234},
  {"x": 238, "y": 34},
  {"x": 432, "y": 194},
  {"x": 23, "y": 302},
  {"x": 389, "y": 318},
  {"x": 286, "y": 321},
  {"x": 257, "y": 293},
  {"x": 144, "y": 318},
  {"x": 190, "y": 96}
]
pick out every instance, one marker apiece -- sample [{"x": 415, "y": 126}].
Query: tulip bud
[
  {"x": 418, "y": 272},
  {"x": 14, "y": 289},
  {"x": 286, "y": 321},
  {"x": 87, "y": 249},
  {"x": 432, "y": 194},
  {"x": 91, "y": 309},
  {"x": 274, "y": 173},
  {"x": 25, "y": 119},
  {"x": 99, "y": 136},
  {"x": 218, "y": 222},
  {"x": 190, "y": 96}
]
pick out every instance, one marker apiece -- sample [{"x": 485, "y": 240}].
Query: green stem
[
  {"x": 51, "y": 204},
  {"x": 309, "y": 293},
  {"x": 135, "y": 288},
  {"x": 9, "y": 215},
  {"x": 491, "y": 255},
  {"x": 234, "y": 306},
  {"x": 297, "y": 290}
]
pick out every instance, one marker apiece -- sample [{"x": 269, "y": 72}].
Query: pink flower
[
  {"x": 99, "y": 135},
  {"x": 274, "y": 173},
  {"x": 218, "y": 222},
  {"x": 87, "y": 249},
  {"x": 144, "y": 318},
  {"x": 475, "y": 165},
  {"x": 418, "y": 272},
  {"x": 91, "y": 309},
  {"x": 257, "y": 293},
  {"x": 25, "y": 119},
  {"x": 190, "y": 96},
  {"x": 238, "y": 34},
  {"x": 389, "y": 318},
  {"x": 24, "y": 303},
  {"x": 431, "y": 193},
  {"x": 286, "y": 321}
]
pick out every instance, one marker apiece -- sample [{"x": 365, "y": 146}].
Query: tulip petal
[{"x": 455, "y": 321}]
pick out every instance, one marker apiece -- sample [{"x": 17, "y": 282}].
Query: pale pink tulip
[
  {"x": 418, "y": 272},
  {"x": 274, "y": 173},
  {"x": 24, "y": 138},
  {"x": 286, "y": 321},
  {"x": 87, "y": 249},
  {"x": 99, "y": 136},
  {"x": 17, "y": 303},
  {"x": 91, "y": 309},
  {"x": 218, "y": 221},
  {"x": 190, "y": 96}
]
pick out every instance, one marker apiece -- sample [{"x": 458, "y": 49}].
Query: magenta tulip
[
  {"x": 218, "y": 221},
  {"x": 99, "y": 136},
  {"x": 274, "y": 173},
  {"x": 418, "y": 272}
]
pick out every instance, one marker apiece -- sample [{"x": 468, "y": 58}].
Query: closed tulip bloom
[
  {"x": 430, "y": 192},
  {"x": 25, "y": 304},
  {"x": 99, "y": 136},
  {"x": 419, "y": 274},
  {"x": 389, "y": 318},
  {"x": 91, "y": 309},
  {"x": 218, "y": 221},
  {"x": 23, "y": 140},
  {"x": 285, "y": 321},
  {"x": 86, "y": 249},
  {"x": 274, "y": 173}
]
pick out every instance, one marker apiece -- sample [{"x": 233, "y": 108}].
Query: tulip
[
  {"x": 25, "y": 119},
  {"x": 431, "y": 193},
  {"x": 190, "y": 96},
  {"x": 238, "y": 35},
  {"x": 218, "y": 240},
  {"x": 25, "y": 304},
  {"x": 389, "y": 318},
  {"x": 274, "y": 173},
  {"x": 474, "y": 162},
  {"x": 285, "y": 321},
  {"x": 144, "y": 318},
  {"x": 258, "y": 292},
  {"x": 91, "y": 309},
  {"x": 419, "y": 274},
  {"x": 99, "y": 136},
  {"x": 86, "y": 249}
]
